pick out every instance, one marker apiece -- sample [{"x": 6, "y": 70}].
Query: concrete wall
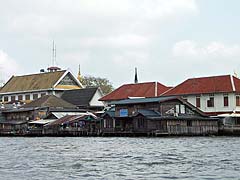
[
  {"x": 95, "y": 100},
  {"x": 218, "y": 102}
]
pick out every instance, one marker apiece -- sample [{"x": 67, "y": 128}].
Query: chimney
[
  {"x": 136, "y": 76},
  {"x": 42, "y": 70},
  {"x": 156, "y": 89}
]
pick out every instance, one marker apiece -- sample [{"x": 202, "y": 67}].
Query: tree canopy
[{"x": 90, "y": 81}]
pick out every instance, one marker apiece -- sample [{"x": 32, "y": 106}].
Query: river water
[{"x": 120, "y": 158}]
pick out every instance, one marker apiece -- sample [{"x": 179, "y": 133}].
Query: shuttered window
[
  {"x": 20, "y": 97},
  {"x": 198, "y": 102},
  {"x": 13, "y": 98},
  {"x": 5, "y": 98},
  {"x": 237, "y": 100},
  {"x": 35, "y": 96},
  {"x": 225, "y": 101},
  {"x": 27, "y": 97},
  {"x": 210, "y": 102}
]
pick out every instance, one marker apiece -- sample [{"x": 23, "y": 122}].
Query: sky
[{"x": 168, "y": 41}]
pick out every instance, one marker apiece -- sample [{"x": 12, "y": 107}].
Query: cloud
[
  {"x": 45, "y": 17},
  {"x": 8, "y": 66},
  {"x": 101, "y": 35},
  {"x": 131, "y": 58},
  {"x": 194, "y": 59},
  {"x": 191, "y": 49},
  {"x": 127, "y": 40}
]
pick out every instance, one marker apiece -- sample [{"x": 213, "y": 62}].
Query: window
[
  {"x": 13, "y": 98},
  {"x": 189, "y": 123},
  {"x": 210, "y": 102},
  {"x": 182, "y": 109},
  {"x": 198, "y": 102},
  {"x": 238, "y": 100},
  {"x": 177, "y": 108},
  {"x": 5, "y": 99},
  {"x": 27, "y": 97},
  {"x": 140, "y": 122},
  {"x": 43, "y": 94},
  {"x": 35, "y": 96},
  {"x": 20, "y": 97},
  {"x": 225, "y": 101}
]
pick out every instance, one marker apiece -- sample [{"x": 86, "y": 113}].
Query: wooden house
[
  {"x": 73, "y": 125},
  {"x": 35, "y": 110},
  {"x": 157, "y": 116}
]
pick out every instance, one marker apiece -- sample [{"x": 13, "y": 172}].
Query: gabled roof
[
  {"x": 147, "y": 113},
  {"x": 203, "y": 85},
  {"x": 147, "y": 89},
  {"x": 32, "y": 82},
  {"x": 80, "y": 97},
  {"x": 144, "y": 100},
  {"x": 49, "y": 101},
  {"x": 110, "y": 113},
  {"x": 72, "y": 118}
]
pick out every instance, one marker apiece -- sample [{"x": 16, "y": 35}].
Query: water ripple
[{"x": 120, "y": 158}]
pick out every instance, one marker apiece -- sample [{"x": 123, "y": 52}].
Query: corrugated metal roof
[
  {"x": 49, "y": 101},
  {"x": 144, "y": 100},
  {"x": 71, "y": 119},
  {"x": 62, "y": 114},
  {"x": 42, "y": 121},
  {"x": 148, "y": 113}
]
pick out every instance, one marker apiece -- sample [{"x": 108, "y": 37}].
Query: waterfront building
[
  {"x": 157, "y": 116},
  {"x": 213, "y": 95},
  {"x": 73, "y": 125},
  {"x": 26, "y": 88},
  {"x": 15, "y": 120}
]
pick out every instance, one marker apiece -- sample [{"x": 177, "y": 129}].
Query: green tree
[{"x": 90, "y": 81}]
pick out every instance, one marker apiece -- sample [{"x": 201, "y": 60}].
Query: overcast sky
[{"x": 167, "y": 40}]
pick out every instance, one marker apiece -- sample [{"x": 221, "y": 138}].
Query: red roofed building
[
  {"x": 147, "y": 89},
  {"x": 213, "y": 95}
]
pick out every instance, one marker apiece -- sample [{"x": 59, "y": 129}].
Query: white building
[{"x": 213, "y": 95}]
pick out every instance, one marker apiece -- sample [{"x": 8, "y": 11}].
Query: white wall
[
  {"x": 23, "y": 95},
  {"x": 95, "y": 100},
  {"x": 218, "y": 102}
]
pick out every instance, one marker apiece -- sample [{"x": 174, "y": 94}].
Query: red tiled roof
[
  {"x": 135, "y": 90},
  {"x": 213, "y": 84}
]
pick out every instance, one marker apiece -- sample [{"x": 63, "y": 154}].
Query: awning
[
  {"x": 62, "y": 114},
  {"x": 229, "y": 115},
  {"x": 42, "y": 121},
  {"x": 13, "y": 122}
]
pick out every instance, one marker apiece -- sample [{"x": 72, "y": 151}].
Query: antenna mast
[
  {"x": 54, "y": 54},
  {"x": 54, "y": 60}
]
